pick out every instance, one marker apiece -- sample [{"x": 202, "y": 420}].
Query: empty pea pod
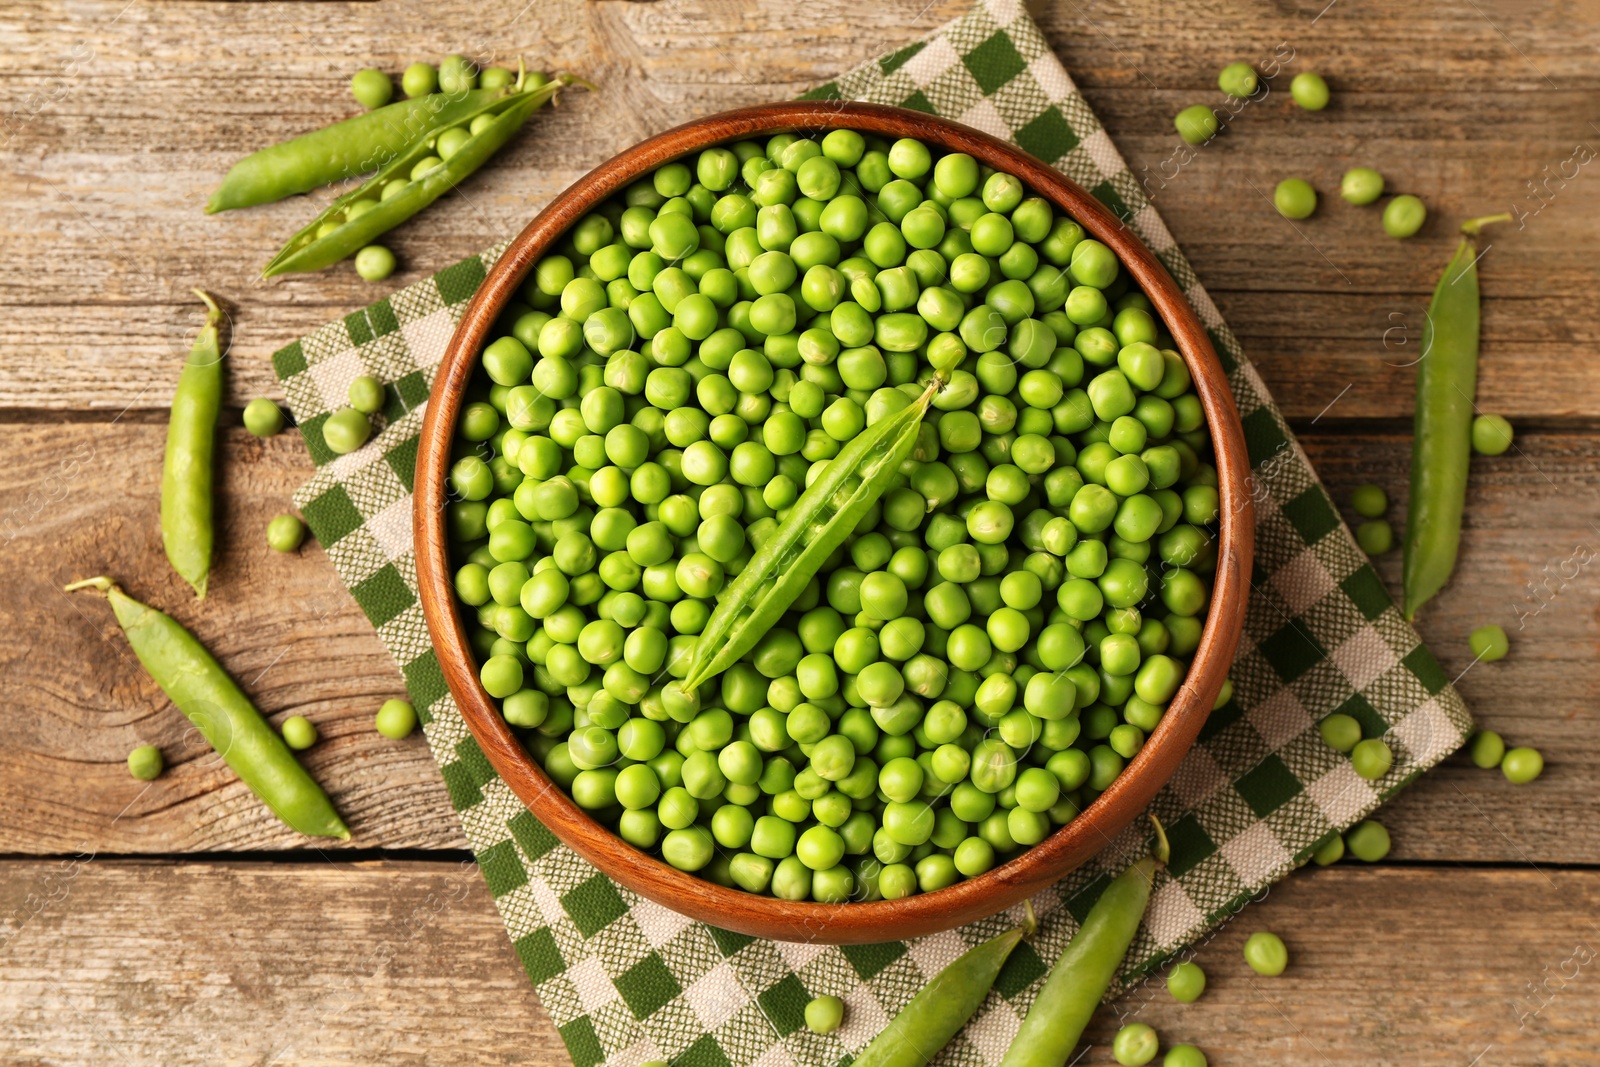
[
  {"x": 1447, "y": 380},
  {"x": 355, "y": 146},
  {"x": 826, "y": 513},
  {"x": 942, "y": 1007},
  {"x": 343, "y": 228},
  {"x": 1080, "y": 978},
  {"x": 230, "y": 723},
  {"x": 186, "y": 474}
]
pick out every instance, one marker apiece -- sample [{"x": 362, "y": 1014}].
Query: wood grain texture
[
  {"x": 83, "y": 499},
  {"x": 1475, "y": 106},
  {"x": 116, "y": 121},
  {"x": 406, "y": 963},
  {"x": 279, "y": 622}
]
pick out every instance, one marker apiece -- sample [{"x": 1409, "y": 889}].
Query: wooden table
[{"x": 178, "y": 923}]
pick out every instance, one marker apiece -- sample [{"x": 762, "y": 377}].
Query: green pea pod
[
  {"x": 942, "y": 1007},
  {"x": 355, "y": 146},
  {"x": 1441, "y": 446},
  {"x": 824, "y": 516},
  {"x": 202, "y": 690},
  {"x": 186, "y": 473},
  {"x": 1059, "y": 1014},
  {"x": 337, "y": 232}
]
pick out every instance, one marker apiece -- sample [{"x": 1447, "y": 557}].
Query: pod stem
[
  {"x": 213, "y": 312},
  {"x": 1030, "y": 921},
  {"x": 1473, "y": 227},
  {"x": 102, "y": 583},
  {"x": 1163, "y": 850}
]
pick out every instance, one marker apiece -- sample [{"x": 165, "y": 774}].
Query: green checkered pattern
[{"x": 628, "y": 981}]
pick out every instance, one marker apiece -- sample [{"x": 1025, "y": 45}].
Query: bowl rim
[{"x": 1033, "y": 869}]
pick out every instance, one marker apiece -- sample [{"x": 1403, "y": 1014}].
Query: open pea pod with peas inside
[
  {"x": 411, "y": 181},
  {"x": 352, "y": 147},
  {"x": 825, "y": 515}
]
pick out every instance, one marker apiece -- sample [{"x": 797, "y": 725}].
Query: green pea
[
  {"x": 262, "y": 417},
  {"x": 285, "y": 533},
  {"x": 1361, "y": 185},
  {"x": 1294, "y": 198},
  {"x": 1522, "y": 765},
  {"x": 1135, "y": 1045},
  {"x": 1404, "y": 216},
  {"x": 1488, "y": 643},
  {"x": 1197, "y": 124},
  {"x": 1238, "y": 80},
  {"x": 1186, "y": 981},
  {"x": 396, "y": 719},
  {"x": 1375, "y": 536},
  {"x": 1372, "y": 758},
  {"x": 419, "y": 79},
  {"x": 824, "y": 1014},
  {"x": 1491, "y": 435},
  {"x": 1341, "y": 732},
  {"x": 1487, "y": 749},
  {"x": 1266, "y": 953},
  {"x": 298, "y": 732},
  {"x": 1309, "y": 90},
  {"x": 145, "y": 763},
  {"x": 1367, "y": 841},
  {"x": 1369, "y": 501},
  {"x": 371, "y": 88}
]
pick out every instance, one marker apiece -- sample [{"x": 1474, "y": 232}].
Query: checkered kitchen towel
[{"x": 627, "y": 981}]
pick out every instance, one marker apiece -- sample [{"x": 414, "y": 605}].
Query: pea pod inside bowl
[{"x": 1008, "y": 638}]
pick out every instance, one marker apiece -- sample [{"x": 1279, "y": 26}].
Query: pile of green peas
[{"x": 1004, "y": 628}]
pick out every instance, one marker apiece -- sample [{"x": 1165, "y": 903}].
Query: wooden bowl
[{"x": 1032, "y": 870}]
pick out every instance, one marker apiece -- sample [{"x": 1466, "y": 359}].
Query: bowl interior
[{"x": 1033, "y": 869}]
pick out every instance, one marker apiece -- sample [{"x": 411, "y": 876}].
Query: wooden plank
[
  {"x": 105, "y": 208},
  {"x": 294, "y": 638},
  {"x": 284, "y": 626},
  {"x": 404, "y": 962}
]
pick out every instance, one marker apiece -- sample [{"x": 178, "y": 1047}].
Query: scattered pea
[
  {"x": 371, "y": 88},
  {"x": 366, "y": 394},
  {"x": 345, "y": 431},
  {"x": 1237, "y": 80},
  {"x": 1489, "y": 643},
  {"x": 1197, "y": 124},
  {"x": 1266, "y": 953},
  {"x": 1294, "y": 198},
  {"x": 1186, "y": 981},
  {"x": 285, "y": 533},
  {"x": 1375, "y": 536},
  {"x": 1487, "y": 749},
  {"x": 1309, "y": 90},
  {"x": 420, "y": 79},
  {"x": 1367, "y": 841},
  {"x": 1184, "y": 1056},
  {"x": 1329, "y": 851},
  {"x": 1135, "y": 1045},
  {"x": 396, "y": 719},
  {"x": 457, "y": 74},
  {"x": 1491, "y": 435},
  {"x": 1522, "y": 765},
  {"x": 1341, "y": 732},
  {"x": 1404, "y": 216},
  {"x": 299, "y": 733},
  {"x": 1361, "y": 185},
  {"x": 374, "y": 263},
  {"x": 824, "y": 1014},
  {"x": 1369, "y": 501},
  {"x": 262, "y": 417},
  {"x": 1372, "y": 758},
  {"x": 145, "y": 763}
]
